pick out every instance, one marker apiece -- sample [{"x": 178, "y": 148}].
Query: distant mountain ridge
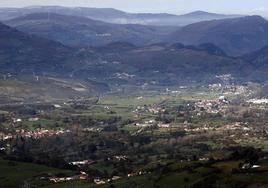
[
  {"x": 236, "y": 36},
  {"x": 28, "y": 55},
  {"x": 123, "y": 62},
  {"x": 204, "y": 13},
  {"x": 81, "y": 31},
  {"x": 17, "y": 48},
  {"x": 21, "y": 53},
  {"x": 116, "y": 16}
]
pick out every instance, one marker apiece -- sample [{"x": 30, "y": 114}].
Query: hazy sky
[{"x": 172, "y": 6}]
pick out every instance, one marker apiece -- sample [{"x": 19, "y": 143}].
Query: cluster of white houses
[
  {"x": 212, "y": 106},
  {"x": 37, "y": 133}
]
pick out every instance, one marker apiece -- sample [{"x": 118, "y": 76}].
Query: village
[
  {"x": 110, "y": 139},
  {"x": 36, "y": 134}
]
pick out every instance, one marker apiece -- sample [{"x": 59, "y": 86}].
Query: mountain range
[
  {"x": 119, "y": 62},
  {"x": 24, "y": 58},
  {"x": 116, "y": 16},
  {"x": 73, "y": 48},
  {"x": 81, "y": 31},
  {"x": 26, "y": 53},
  {"x": 235, "y": 36}
]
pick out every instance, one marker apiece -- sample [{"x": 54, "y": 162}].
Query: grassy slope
[{"x": 14, "y": 174}]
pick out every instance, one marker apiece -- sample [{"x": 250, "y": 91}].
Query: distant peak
[
  {"x": 199, "y": 13},
  {"x": 254, "y": 18}
]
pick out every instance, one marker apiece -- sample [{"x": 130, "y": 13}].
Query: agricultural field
[{"x": 19, "y": 174}]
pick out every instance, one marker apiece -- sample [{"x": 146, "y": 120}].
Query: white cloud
[{"x": 259, "y": 9}]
